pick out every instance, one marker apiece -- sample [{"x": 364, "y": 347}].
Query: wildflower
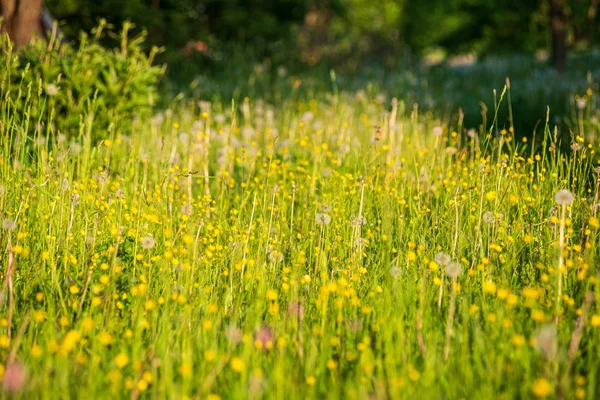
[
  {"x": 9, "y": 224},
  {"x": 518, "y": 340},
  {"x": 442, "y": 259},
  {"x": 187, "y": 209},
  {"x": 276, "y": 256},
  {"x": 121, "y": 360},
  {"x": 395, "y": 271},
  {"x": 234, "y": 334},
  {"x": 488, "y": 218},
  {"x": 576, "y": 146},
  {"x": 454, "y": 269},
  {"x": 564, "y": 197},
  {"x": 237, "y": 364},
  {"x": 51, "y": 90},
  {"x": 296, "y": 309},
  {"x": 358, "y": 221},
  {"x": 264, "y": 337},
  {"x": 323, "y": 219},
  {"x": 15, "y": 377},
  {"x": 491, "y": 195},
  {"x": 581, "y": 103},
  {"x": 148, "y": 242},
  {"x": 545, "y": 341},
  {"x": 541, "y": 388},
  {"x": 437, "y": 131}
]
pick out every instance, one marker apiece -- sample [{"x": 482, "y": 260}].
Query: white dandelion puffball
[
  {"x": 9, "y": 224},
  {"x": 488, "y": 217},
  {"x": 564, "y": 197},
  {"x": 51, "y": 90},
  {"x": 148, "y": 242},
  {"x": 322, "y": 219},
  {"x": 395, "y": 271},
  {"x": 454, "y": 269},
  {"x": 442, "y": 259}
]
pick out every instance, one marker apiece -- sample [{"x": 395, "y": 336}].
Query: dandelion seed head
[
  {"x": 546, "y": 341},
  {"x": 395, "y": 271},
  {"x": 187, "y": 209},
  {"x": 488, "y": 217},
  {"x": 454, "y": 269},
  {"x": 323, "y": 219},
  {"x": 51, "y": 90},
  {"x": 148, "y": 242},
  {"x": 8, "y": 224},
  {"x": 442, "y": 258},
  {"x": 564, "y": 197},
  {"x": 276, "y": 256}
]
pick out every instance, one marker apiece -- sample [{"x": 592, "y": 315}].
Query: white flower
[
  {"x": 395, "y": 271},
  {"x": 51, "y": 90},
  {"x": 276, "y": 256},
  {"x": 545, "y": 341},
  {"x": 488, "y": 217},
  {"x": 454, "y": 269},
  {"x": 564, "y": 197},
  {"x": 148, "y": 242},
  {"x": 322, "y": 219},
  {"x": 437, "y": 131},
  {"x": 581, "y": 103},
  {"x": 9, "y": 224},
  {"x": 442, "y": 258},
  {"x": 187, "y": 209}
]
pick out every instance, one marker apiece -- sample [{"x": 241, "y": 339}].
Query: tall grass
[{"x": 347, "y": 245}]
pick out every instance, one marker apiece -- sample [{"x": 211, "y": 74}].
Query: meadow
[{"x": 336, "y": 244}]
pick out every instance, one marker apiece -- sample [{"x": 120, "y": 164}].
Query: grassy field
[{"x": 342, "y": 245}]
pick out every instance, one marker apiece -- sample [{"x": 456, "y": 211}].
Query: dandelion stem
[
  {"x": 561, "y": 244},
  {"x": 450, "y": 322}
]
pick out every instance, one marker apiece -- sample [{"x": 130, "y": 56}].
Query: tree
[
  {"x": 558, "y": 30},
  {"x": 22, "y": 20}
]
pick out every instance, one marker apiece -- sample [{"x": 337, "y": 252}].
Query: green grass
[{"x": 287, "y": 249}]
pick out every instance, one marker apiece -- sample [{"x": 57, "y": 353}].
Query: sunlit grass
[{"x": 346, "y": 246}]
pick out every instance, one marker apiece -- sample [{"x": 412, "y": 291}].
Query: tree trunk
[
  {"x": 558, "y": 26},
  {"x": 22, "y": 20}
]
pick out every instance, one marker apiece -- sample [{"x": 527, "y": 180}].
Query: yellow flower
[
  {"x": 491, "y": 195},
  {"x": 489, "y": 287},
  {"x": 36, "y": 351},
  {"x": 541, "y": 388},
  {"x": 87, "y": 324},
  {"x": 142, "y": 385},
  {"x": 74, "y": 289},
  {"x": 271, "y": 294},
  {"x": 105, "y": 338},
  {"x": 311, "y": 380},
  {"x": 595, "y": 321},
  {"x": 237, "y": 364},
  {"x": 121, "y": 360},
  {"x": 518, "y": 340},
  {"x": 149, "y": 305},
  {"x": 186, "y": 369}
]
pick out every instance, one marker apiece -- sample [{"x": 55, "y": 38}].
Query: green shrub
[{"x": 60, "y": 88}]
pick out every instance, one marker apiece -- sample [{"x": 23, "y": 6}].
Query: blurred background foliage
[
  {"x": 341, "y": 33},
  {"x": 443, "y": 54}
]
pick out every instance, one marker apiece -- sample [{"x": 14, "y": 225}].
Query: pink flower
[{"x": 15, "y": 377}]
